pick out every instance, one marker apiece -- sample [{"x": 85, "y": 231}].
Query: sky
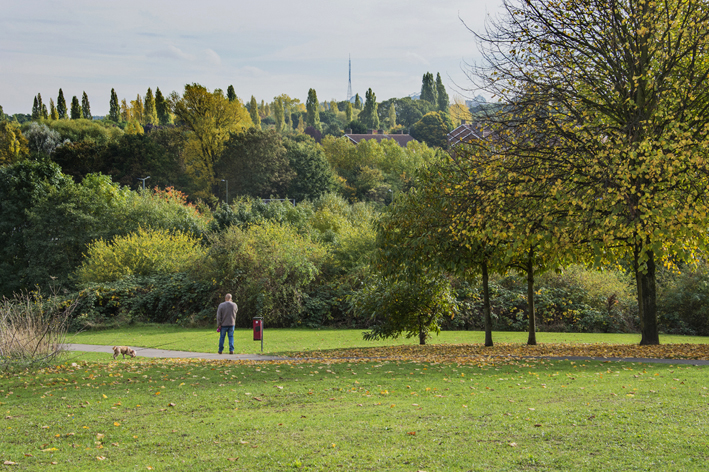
[{"x": 263, "y": 48}]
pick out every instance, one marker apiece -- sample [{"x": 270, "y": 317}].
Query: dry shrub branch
[{"x": 32, "y": 329}]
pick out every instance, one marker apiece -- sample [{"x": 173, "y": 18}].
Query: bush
[
  {"x": 147, "y": 252},
  {"x": 168, "y": 298},
  {"x": 683, "y": 302},
  {"x": 32, "y": 330},
  {"x": 267, "y": 267},
  {"x": 575, "y": 300}
]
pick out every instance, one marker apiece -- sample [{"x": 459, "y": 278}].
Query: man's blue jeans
[{"x": 222, "y": 333}]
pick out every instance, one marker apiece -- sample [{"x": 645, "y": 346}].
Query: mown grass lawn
[
  {"x": 281, "y": 341},
  {"x": 371, "y": 416}
]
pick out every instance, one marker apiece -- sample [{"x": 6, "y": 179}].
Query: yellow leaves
[
  {"x": 116, "y": 423},
  {"x": 504, "y": 353}
]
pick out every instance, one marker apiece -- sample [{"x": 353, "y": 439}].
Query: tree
[
  {"x": 348, "y": 112},
  {"x": 61, "y": 106},
  {"x": 291, "y": 106},
  {"x": 22, "y": 186},
  {"x": 358, "y": 102},
  {"x": 41, "y": 139},
  {"x": 137, "y": 110},
  {"x": 13, "y": 145},
  {"x": 53, "y": 113},
  {"x": 311, "y": 105},
  {"x": 151, "y": 112},
  {"x": 428, "y": 89},
  {"x": 114, "y": 109},
  {"x": 392, "y": 116},
  {"x": 431, "y": 129},
  {"x": 125, "y": 111},
  {"x": 253, "y": 112},
  {"x": 605, "y": 104},
  {"x": 357, "y": 127},
  {"x": 369, "y": 115},
  {"x": 35, "y": 109},
  {"x": 85, "y": 107},
  {"x": 313, "y": 175},
  {"x": 442, "y": 95},
  {"x": 75, "y": 108},
  {"x": 211, "y": 119},
  {"x": 278, "y": 115},
  {"x": 230, "y": 93},
  {"x": 162, "y": 108},
  {"x": 255, "y": 164},
  {"x": 412, "y": 306}
]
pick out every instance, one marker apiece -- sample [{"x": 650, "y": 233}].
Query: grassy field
[
  {"x": 279, "y": 341},
  {"x": 369, "y": 416}
]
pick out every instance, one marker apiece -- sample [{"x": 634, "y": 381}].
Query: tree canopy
[{"x": 604, "y": 109}]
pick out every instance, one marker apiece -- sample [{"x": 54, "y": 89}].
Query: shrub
[
  {"x": 147, "y": 252},
  {"x": 32, "y": 330},
  {"x": 683, "y": 302},
  {"x": 166, "y": 298},
  {"x": 576, "y": 299},
  {"x": 267, "y": 267}
]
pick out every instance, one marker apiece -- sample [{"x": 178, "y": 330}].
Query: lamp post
[
  {"x": 227, "y": 190},
  {"x": 144, "y": 179}
]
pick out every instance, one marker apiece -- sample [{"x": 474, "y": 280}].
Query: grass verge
[{"x": 282, "y": 341}]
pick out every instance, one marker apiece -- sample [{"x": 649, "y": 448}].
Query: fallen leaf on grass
[
  {"x": 537, "y": 425},
  {"x": 257, "y": 399},
  {"x": 101, "y": 458},
  {"x": 54, "y": 463},
  {"x": 9, "y": 463},
  {"x": 512, "y": 444},
  {"x": 28, "y": 455},
  {"x": 116, "y": 423},
  {"x": 51, "y": 449},
  {"x": 243, "y": 442},
  {"x": 100, "y": 436},
  {"x": 233, "y": 459},
  {"x": 171, "y": 404},
  {"x": 411, "y": 433}
]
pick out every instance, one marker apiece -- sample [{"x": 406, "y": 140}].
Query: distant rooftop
[
  {"x": 468, "y": 132},
  {"x": 379, "y": 135}
]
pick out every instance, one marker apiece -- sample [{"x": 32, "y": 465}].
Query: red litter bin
[{"x": 258, "y": 330}]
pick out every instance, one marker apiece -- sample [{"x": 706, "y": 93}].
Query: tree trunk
[
  {"x": 647, "y": 302},
  {"x": 422, "y": 337},
  {"x": 486, "y": 307},
  {"x": 422, "y": 331},
  {"x": 532, "y": 339}
]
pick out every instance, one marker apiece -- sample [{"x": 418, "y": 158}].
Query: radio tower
[{"x": 349, "y": 83}]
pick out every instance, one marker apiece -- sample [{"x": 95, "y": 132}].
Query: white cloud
[
  {"x": 172, "y": 52},
  {"x": 213, "y": 57}
]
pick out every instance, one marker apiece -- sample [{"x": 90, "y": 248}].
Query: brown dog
[{"x": 122, "y": 350}]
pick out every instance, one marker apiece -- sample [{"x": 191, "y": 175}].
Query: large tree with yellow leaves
[
  {"x": 606, "y": 113},
  {"x": 210, "y": 118}
]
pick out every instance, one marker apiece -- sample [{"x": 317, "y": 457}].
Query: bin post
[{"x": 258, "y": 329}]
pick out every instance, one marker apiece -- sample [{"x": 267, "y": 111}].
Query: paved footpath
[{"x": 165, "y": 353}]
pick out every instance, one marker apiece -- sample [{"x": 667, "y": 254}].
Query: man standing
[{"x": 226, "y": 319}]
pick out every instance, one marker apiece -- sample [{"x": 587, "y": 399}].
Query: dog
[{"x": 122, "y": 350}]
